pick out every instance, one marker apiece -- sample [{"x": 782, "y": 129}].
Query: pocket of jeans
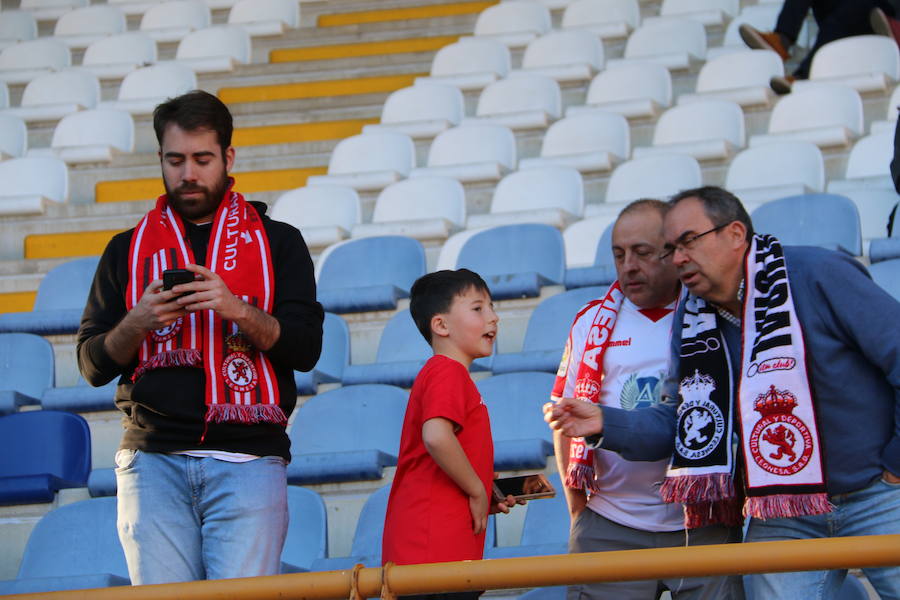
[{"x": 125, "y": 459}]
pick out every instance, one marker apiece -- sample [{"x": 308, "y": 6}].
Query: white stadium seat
[
  {"x": 369, "y": 161},
  {"x": 593, "y": 141},
  {"x": 83, "y": 26},
  {"x": 422, "y": 110},
  {"x": 550, "y": 195},
  {"x": 893, "y": 107},
  {"x": 564, "y": 56},
  {"x": 22, "y": 62},
  {"x": 13, "y": 137},
  {"x": 214, "y": 49},
  {"x": 874, "y": 208},
  {"x": 116, "y": 56},
  {"x": 324, "y": 214},
  {"x": 776, "y": 170},
  {"x": 706, "y": 130},
  {"x": 708, "y": 12},
  {"x": 825, "y": 114},
  {"x": 742, "y": 76},
  {"x": 4, "y": 95},
  {"x": 16, "y": 26},
  {"x": 603, "y": 18},
  {"x": 478, "y": 152},
  {"x": 265, "y": 17},
  {"x": 143, "y": 89},
  {"x": 92, "y": 136},
  {"x": 53, "y": 96},
  {"x": 868, "y": 166},
  {"x": 521, "y": 101},
  {"x": 632, "y": 90},
  {"x": 657, "y": 176},
  {"x": 424, "y": 208},
  {"x": 48, "y": 10},
  {"x": 513, "y": 23},
  {"x": 470, "y": 64},
  {"x": 867, "y": 63},
  {"x": 673, "y": 43},
  {"x": 134, "y": 7},
  {"x": 581, "y": 238},
  {"x": 171, "y": 21},
  {"x": 29, "y": 183}
]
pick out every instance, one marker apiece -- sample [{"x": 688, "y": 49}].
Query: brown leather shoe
[
  {"x": 782, "y": 85},
  {"x": 763, "y": 40}
]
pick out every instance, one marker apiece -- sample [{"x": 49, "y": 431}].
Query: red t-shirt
[{"x": 428, "y": 518}]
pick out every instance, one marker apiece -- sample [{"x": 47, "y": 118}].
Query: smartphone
[
  {"x": 173, "y": 277},
  {"x": 523, "y": 487}
]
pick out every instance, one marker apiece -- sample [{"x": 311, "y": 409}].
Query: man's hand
[
  {"x": 210, "y": 293},
  {"x": 573, "y": 417},
  {"x": 890, "y": 477},
  {"x": 156, "y": 309},
  {"x": 478, "y": 506}
]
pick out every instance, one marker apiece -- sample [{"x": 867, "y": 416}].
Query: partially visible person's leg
[
  {"x": 158, "y": 527},
  {"x": 703, "y": 588},
  {"x": 791, "y": 17},
  {"x": 245, "y": 517},
  {"x": 836, "y": 19}
]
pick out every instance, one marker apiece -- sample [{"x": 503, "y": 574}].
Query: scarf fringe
[
  {"x": 698, "y": 489},
  {"x": 182, "y": 357},
  {"x": 787, "y": 505},
  {"x": 720, "y": 512},
  {"x": 580, "y": 477},
  {"x": 244, "y": 414}
]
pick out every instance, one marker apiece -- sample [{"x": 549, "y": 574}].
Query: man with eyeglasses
[
  {"x": 616, "y": 356},
  {"x": 792, "y": 351}
]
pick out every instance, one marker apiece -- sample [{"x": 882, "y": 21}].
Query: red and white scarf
[
  {"x": 240, "y": 382},
  {"x": 580, "y": 472}
]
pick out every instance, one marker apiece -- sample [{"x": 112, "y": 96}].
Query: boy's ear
[{"x": 439, "y": 326}]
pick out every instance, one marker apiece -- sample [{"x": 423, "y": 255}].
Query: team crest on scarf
[
  {"x": 780, "y": 442},
  {"x": 237, "y": 368},
  {"x": 701, "y": 424},
  {"x": 167, "y": 332}
]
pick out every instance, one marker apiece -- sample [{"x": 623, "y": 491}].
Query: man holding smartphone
[{"x": 203, "y": 311}]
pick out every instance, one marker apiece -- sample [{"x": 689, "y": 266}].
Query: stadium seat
[
  {"x": 142, "y": 90},
  {"x": 171, "y": 21},
  {"x": 546, "y": 593},
  {"x": 4, "y": 95},
  {"x": 824, "y": 220},
  {"x": 596, "y": 236},
  {"x": 776, "y": 170},
  {"x": 366, "y": 547},
  {"x": 868, "y": 165},
  {"x": 884, "y": 249},
  {"x": 368, "y": 439},
  {"x": 827, "y": 115},
  {"x": 890, "y": 121},
  {"x": 29, "y": 183},
  {"x": 421, "y": 111},
  {"x": 545, "y": 529},
  {"x": 742, "y": 76},
  {"x": 82, "y": 398},
  {"x": 514, "y": 260},
  {"x": 83, "y": 26},
  {"x": 424, "y": 208},
  {"x": 887, "y": 275},
  {"x": 674, "y": 43},
  {"x": 573, "y": 55},
  {"x": 134, "y": 7},
  {"x": 874, "y": 207},
  {"x": 545, "y": 336},
  {"x": 521, "y": 438},
  {"x": 550, "y": 195},
  {"x": 866, "y": 63},
  {"x": 265, "y": 17},
  {"x": 54, "y": 95},
  {"x": 48, "y": 10},
  {"x": 26, "y": 370},
  {"x": 708, "y": 12},
  {"x": 43, "y": 451},
  {"x": 401, "y": 353},
  {"x": 369, "y": 161},
  {"x": 334, "y": 358},
  {"x": 324, "y": 214},
  {"x": 13, "y": 137},
  {"x": 469, "y": 64},
  {"x": 592, "y": 141},
  {"x": 762, "y": 16},
  {"x": 603, "y": 18},
  {"x": 706, "y": 130},
  {"x": 348, "y": 280},
  {"x": 214, "y": 49},
  {"x": 116, "y": 56},
  {"x": 581, "y": 238},
  {"x": 521, "y": 101},
  {"x": 60, "y": 299},
  {"x": 477, "y": 152},
  {"x": 632, "y": 90},
  {"x": 22, "y": 62},
  {"x": 93, "y": 136},
  {"x": 656, "y": 176},
  {"x": 307, "y": 534},
  {"x": 513, "y": 23},
  {"x": 72, "y": 547},
  {"x": 16, "y": 26}
]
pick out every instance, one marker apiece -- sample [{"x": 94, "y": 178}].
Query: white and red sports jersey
[{"x": 634, "y": 368}]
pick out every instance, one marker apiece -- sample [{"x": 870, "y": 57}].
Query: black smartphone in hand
[{"x": 173, "y": 277}]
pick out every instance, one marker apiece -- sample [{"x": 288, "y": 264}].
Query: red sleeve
[{"x": 447, "y": 392}]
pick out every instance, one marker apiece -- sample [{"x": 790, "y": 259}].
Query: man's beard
[{"x": 194, "y": 209}]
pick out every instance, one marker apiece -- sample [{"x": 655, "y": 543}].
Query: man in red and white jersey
[{"x": 617, "y": 355}]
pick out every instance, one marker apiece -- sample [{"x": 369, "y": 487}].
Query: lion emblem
[
  {"x": 694, "y": 424},
  {"x": 783, "y": 439}
]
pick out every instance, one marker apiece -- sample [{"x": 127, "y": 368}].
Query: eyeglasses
[{"x": 686, "y": 244}]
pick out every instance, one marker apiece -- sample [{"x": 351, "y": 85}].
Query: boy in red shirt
[{"x": 442, "y": 489}]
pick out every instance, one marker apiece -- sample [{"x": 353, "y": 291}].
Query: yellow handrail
[{"x": 720, "y": 559}]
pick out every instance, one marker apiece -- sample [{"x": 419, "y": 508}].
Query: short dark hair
[
  {"x": 721, "y": 206},
  {"x": 433, "y": 294},
  {"x": 195, "y": 110},
  {"x": 659, "y": 206}
]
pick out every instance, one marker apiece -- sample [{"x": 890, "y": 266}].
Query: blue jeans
[
  {"x": 182, "y": 518},
  {"x": 872, "y": 510}
]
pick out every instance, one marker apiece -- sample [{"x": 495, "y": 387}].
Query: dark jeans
[{"x": 836, "y": 19}]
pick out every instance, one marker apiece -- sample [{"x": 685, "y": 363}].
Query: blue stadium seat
[
  {"x": 307, "y": 535},
  {"x": 73, "y": 547},
  {"x": 522, "y": 439},
  {"x": 885, "y": 248},
  {"x": 369, "y": 273},
  {"x": 102, "y": 482},
  {"x": 515, "y": 260},
  {"x": 887, "y": 275},
  {"x": 366, "y": 547},
  {"x": 546, "y": 593},
  {"x": 60, "y": 300},
  {"x": 602, "y": 272},
  {"x": 42, "y": 451},
  {"x": 347, "y": 434},
  {"x": 81, "y": 397},
  {"x": 546, "y": 335},
  {"x": 825, "y": 220},
  {"x": 334, "y": 358},
  {"x": 26, "y": 370},
  {"x": 545, "y": 530}
]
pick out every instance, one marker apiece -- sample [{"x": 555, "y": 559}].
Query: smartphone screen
[{"x": 524, "y": 486}]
